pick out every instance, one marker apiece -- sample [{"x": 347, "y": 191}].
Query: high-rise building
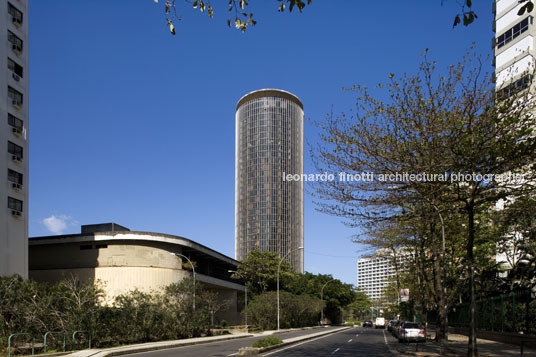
[
  {"x": 376, "y": 273},
  {"x": 513, "y": 45},
  {"x": 14, "y": 131},
  {"x": 269, "y": 146},
  {"x": 514, "y": 61}
]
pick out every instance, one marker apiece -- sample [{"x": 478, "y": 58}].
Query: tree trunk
[
  {"x": 438, "y": 286},
  {"x": 471, "y": 348}
]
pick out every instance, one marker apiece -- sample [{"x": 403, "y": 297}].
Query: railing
[
  {"x": 78, "y": 332},
  {"x": 504, "y": 313},
  {"x": 50, "y": 333},
  {"x": 19, "y": 334}
]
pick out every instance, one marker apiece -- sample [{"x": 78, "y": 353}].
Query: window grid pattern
[
  {"x": 513, "y": 32},
  {"x": 14, "y": 204},
  {"x": 16, "y": 42},
  {"x": 269, "y": 210},
  {"x": 376, "y": 273}
]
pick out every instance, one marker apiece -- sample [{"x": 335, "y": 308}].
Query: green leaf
[
  {"x": 229, "y": 22},
  {"x": 195, "y": 4},
  {"x": 469, "y": 3},
  {"x": 522, "y": 10},
  {"x": 172, "y": 29},
  {"x": 456, "y": 20},
  {"x": 530, "y": 6}
]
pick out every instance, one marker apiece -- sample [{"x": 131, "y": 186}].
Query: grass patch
[{"x": 267, "y": 342}]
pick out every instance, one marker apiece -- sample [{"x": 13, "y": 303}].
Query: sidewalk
[{"x": 457, "y": 346}]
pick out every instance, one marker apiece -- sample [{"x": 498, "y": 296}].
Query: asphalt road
[
  {"x": 220, "y": 349},
  {"x": 357, "y": 341}
]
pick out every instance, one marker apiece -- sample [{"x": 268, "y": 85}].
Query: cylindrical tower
[{"x": 269, "y": 145}]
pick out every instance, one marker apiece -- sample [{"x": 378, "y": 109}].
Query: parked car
[
  {"x": 380, "y": 322},
  {"x": 367, "y": 323},
  {"x": 411, "y": 331},
  {"x": 390, "y": 325},
  {"x": 396, "y": 328}
]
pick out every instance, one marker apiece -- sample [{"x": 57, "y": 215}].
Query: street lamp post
[
  {"x": 322, "y": 301},
  {"x": 278, "y": 270},
  {"x": 245, "y": 298},
  {"x": 193, "y": 269}
]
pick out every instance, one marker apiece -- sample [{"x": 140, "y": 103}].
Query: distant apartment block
[
  {"x": 14, "y": 137},
  {"x": 376, "y": 273}
]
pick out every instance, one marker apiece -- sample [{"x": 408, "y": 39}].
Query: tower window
[
  {"x": 14, "y": 204},
  {"x": 14, "y": 176},
  {"x": 14, "y": 67},
  {"x": 16, "y": 42},
  {"x": 14, "y": 149},
  {"x": 512, "y": 33},
  {"x": 15, "y": 96},
  {"x": 15, "y": 122},
  {"x": 16, "y": 15}
]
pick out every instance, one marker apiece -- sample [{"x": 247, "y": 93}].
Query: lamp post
[
  {"x": 322, "y": 301},
  {"x": 245, "y": 298},
  {"x": 193, "y": 269},
  {"x": 278, "y": 270}
]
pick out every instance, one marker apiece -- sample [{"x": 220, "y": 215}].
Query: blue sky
[{"x": 129, "y": 124}]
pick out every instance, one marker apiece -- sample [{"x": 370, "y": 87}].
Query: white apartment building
[
  {"x": 514, "y": 50},
  {"x": 377, "y": 272},
  {"x": 14, "y": 138},
  {"x": 513, "y": 45}
]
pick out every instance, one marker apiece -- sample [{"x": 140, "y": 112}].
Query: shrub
[{"x": 267, "y": 342}]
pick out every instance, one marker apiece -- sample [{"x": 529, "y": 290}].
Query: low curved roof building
[{"x": 125, "y": 260}]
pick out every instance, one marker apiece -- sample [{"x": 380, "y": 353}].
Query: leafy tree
[
  {"x": 445, "y": 125},
  {"x": 296, "y": 310},
  {"x": 335, "y": 296},
  {"x": 359, "y": 306},
  {"x": 240, "y": 19},
  {"x": 259, "y": 271}
]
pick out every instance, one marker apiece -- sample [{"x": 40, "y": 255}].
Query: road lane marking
[
  {"x": 301, "y": 343},
  {"x": 335, "y": 351},
  {"x": 388, "y": 346},
  {"x": 350, "y": 340},
  {"x": 356, "y": 335}
]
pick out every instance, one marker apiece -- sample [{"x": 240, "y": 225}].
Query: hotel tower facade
[{"x": 269, "y": 145}]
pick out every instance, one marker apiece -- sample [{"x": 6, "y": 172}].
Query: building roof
[
  {"x": 269, "y": 92},
  {"x": 126, "y": 235}
]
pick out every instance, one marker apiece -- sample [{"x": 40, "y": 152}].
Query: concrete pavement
[{"x": 457, "y": 346}]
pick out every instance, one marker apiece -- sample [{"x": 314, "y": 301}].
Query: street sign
[{"x": 404, "y": 295}]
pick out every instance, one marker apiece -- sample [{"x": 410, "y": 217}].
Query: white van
[{"x": 380, "y": 322}]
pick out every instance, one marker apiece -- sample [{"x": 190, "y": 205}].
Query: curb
[{"x": 256, "y": 351}]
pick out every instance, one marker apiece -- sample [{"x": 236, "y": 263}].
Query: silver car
[{"x": 411, "y": 331}]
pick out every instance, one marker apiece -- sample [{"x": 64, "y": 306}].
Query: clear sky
[{"x": 129, "y": 124}]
